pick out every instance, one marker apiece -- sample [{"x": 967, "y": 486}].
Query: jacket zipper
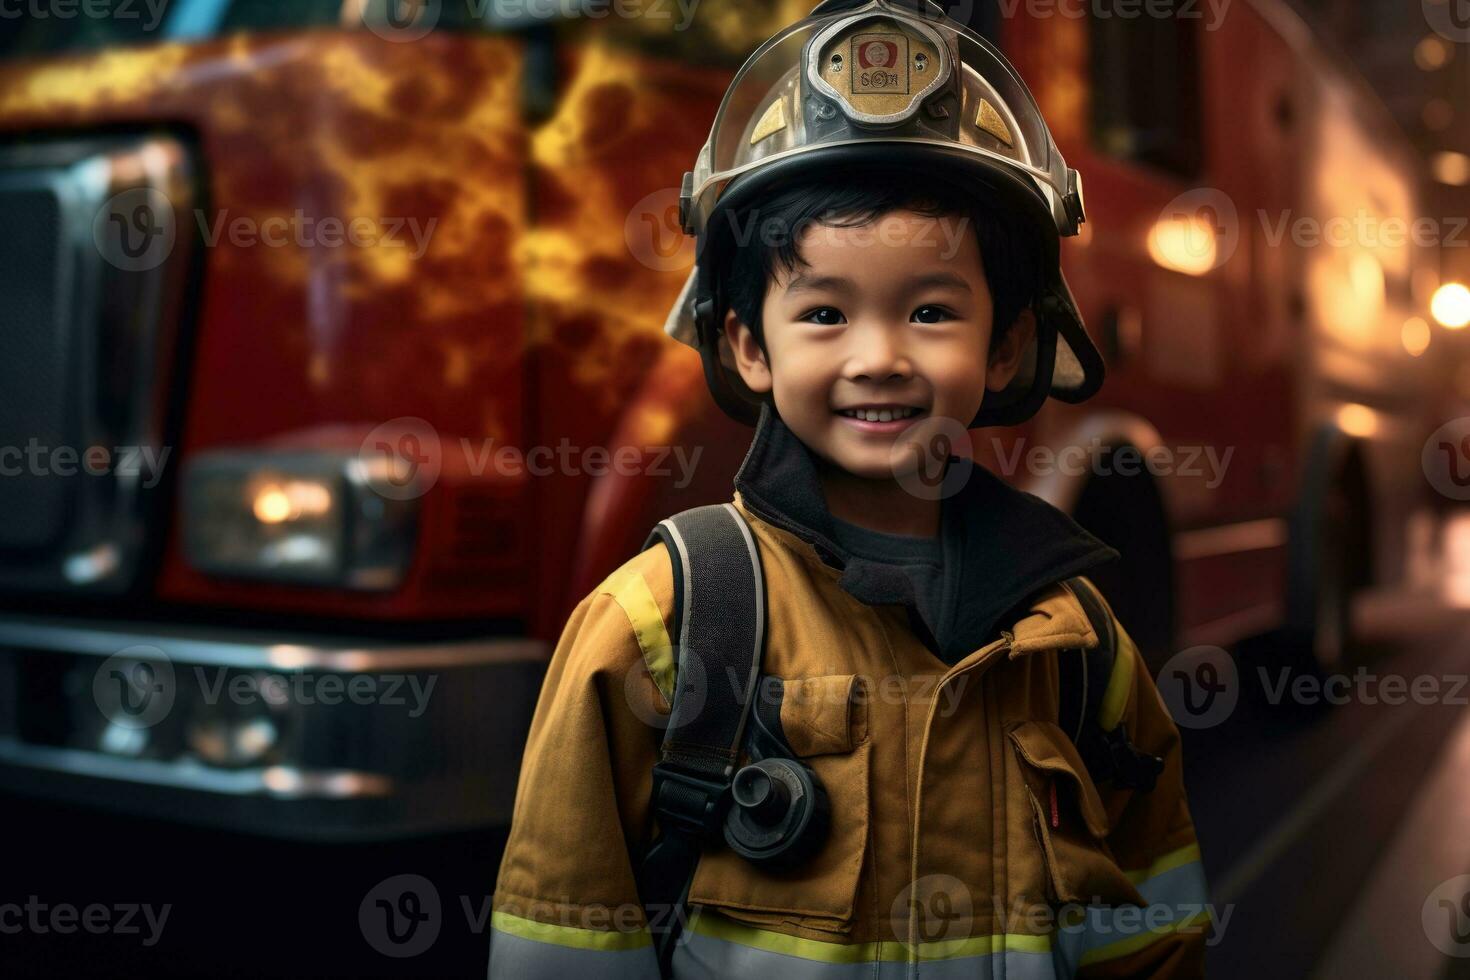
[{"x": 984, "y": 657}]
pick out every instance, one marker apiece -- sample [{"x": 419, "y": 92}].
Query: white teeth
[{"x": 879, "y": 415}]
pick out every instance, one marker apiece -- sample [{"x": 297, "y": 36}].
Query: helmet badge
[{"x": 877, "y": 69}]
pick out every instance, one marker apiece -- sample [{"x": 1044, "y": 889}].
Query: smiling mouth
[{"x": 891, "y": 413}]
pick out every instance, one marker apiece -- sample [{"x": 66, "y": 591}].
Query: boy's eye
[
  {"x": 824, "y": 315},
  {"x": 932, "y": 314}
]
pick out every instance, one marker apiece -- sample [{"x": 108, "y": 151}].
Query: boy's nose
[{"x": 877, "y": 355}]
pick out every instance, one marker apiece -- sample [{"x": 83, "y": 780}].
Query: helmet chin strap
[{"x": 721, "y": 380}]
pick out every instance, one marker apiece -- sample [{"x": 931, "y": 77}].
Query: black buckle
[
  {"x": 1130, "y": 766},
  {"x": 689, "y": 804}
]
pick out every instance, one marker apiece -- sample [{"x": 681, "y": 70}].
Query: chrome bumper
[{"x": 258, "y": 733}]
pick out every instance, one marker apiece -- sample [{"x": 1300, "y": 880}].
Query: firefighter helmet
[{"x": 890, "y": 84}]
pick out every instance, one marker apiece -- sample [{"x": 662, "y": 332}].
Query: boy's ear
[
  {"x": 1006, "y": 360},
  {"x": 750, "y": 360}
]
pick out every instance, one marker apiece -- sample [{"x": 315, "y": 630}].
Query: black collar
[{"x": 1006, "y": 544}]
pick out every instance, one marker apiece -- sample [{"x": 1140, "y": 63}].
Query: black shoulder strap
[
  {"x": 1108, "y": 754},
  {"x": 1084, "y": 679},
  {"x": 720, "y": 605}
]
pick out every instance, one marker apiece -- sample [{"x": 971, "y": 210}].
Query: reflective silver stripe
[
  {"x": 740, "y": 951},
  {"x": 515, "y": 957},
  {"x": 1174, "y": 897},
  {"x": 707, "y": 958}
]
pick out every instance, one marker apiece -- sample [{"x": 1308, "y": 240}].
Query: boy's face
[{"x": 892, "y": 317}]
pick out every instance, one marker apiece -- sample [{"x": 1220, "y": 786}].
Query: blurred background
[{"x": 332, "y": 376}]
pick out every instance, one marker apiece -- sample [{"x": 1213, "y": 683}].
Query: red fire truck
[{"x": 335, "y": 377}]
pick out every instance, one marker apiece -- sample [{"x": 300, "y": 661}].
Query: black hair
[{"x": 766, "y": 237}]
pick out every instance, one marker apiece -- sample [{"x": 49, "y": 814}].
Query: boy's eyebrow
[
  {"x": 938, "y": 279},
  {"x": 802, "y": 281}
]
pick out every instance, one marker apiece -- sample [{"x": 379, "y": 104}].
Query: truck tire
[{"x": 1127, "y": 512}]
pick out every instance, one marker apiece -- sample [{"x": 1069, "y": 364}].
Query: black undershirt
[{"x": 921, "y": 559}]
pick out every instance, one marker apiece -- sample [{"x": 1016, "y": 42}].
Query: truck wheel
[
  {"x": 1127, "y": 512},
  {"x": 1343, "y": 548}
]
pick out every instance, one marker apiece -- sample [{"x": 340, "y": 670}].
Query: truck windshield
[
  {"x": 30, "y": 28},
  {"x": 721, "y": 34}
]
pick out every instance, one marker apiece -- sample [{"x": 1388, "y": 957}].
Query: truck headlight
[{"x": 310, "y": 517}]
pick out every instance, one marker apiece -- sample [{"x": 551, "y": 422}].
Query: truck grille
[
  {"x": 34, "y": 340},
  {"x": 87, "y": 337}
]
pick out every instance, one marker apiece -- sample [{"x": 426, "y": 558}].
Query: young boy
[{"x": 931, "y": 777}]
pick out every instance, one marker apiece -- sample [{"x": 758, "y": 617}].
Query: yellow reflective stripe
[
  {"x": 571, "y": 936},
  {"x": 952, "y": 949},
  {"x": 1120, "y": 683},
  {"x": 720, "y": 927},
  {"x": 1173, "y": 882},
  {"x": 1170, "y": 861},
  {"x": 630, "y": 591},
  {"x": 1144, "y": 939}
]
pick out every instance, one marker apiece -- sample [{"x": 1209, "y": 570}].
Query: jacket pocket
[
  {"x": 825, "y": 721},
  {"x": 1068, "y": 821}
]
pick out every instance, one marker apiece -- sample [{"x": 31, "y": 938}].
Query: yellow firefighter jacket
[{"x": 967, "y": 838}]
